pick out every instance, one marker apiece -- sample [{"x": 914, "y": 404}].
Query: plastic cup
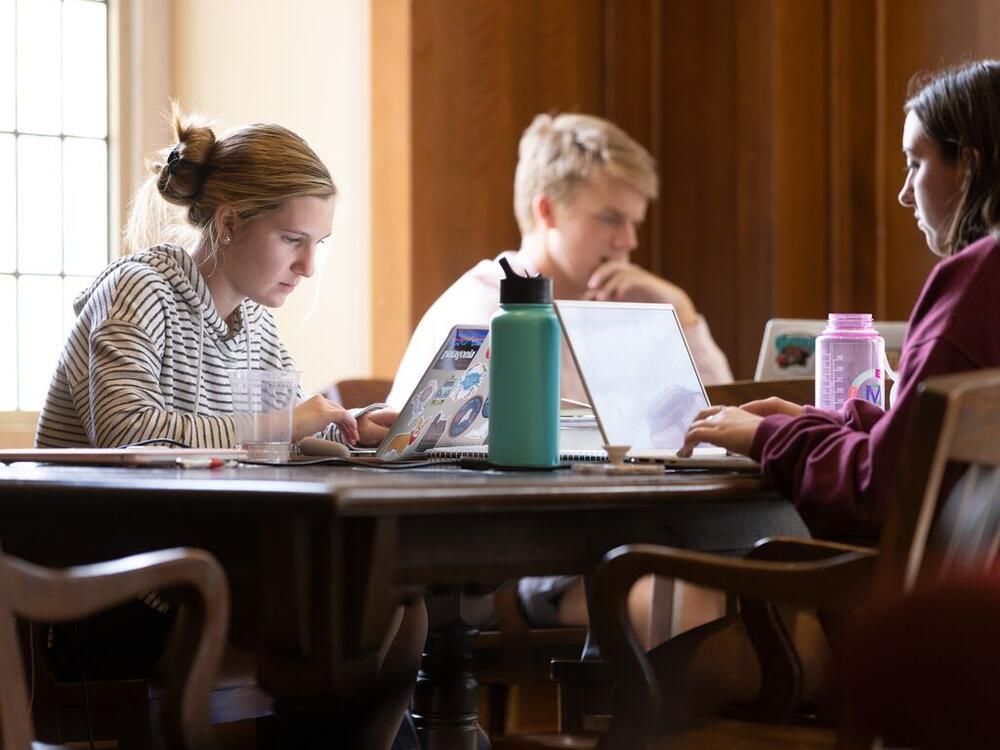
[{"x": 263, "y": 401}]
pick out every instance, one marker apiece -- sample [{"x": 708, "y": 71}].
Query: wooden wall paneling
[
  {"x": 481, "y": 71},
  {"x": 633, "y": 98},
  {"x": 800, "y": 159},
  {"x": 391, "y": 138},
  {"x": 857, "y": 256},
  {"x": 905, "y": 39},
  {"x": 700, "y": 169},
  {"x": 746, "y": 302}
]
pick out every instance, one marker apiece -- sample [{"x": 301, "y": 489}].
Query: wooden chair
[
  {"x": 956, "y": 420},
  {"x": 585, "y": 685},
  {"x": 518, "y": 654},
  {"x": 355, "y": 393},
  {"x": 37, "y": 593}
]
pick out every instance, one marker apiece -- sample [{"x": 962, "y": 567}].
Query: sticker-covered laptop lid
[{"x": 450, "y": 405}]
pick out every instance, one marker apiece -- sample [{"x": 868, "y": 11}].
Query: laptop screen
[{"x": 637, "y": 369}]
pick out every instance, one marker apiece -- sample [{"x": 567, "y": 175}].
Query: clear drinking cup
[{"x": 263, "y": 401}]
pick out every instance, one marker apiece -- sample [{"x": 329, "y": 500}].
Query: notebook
[
  {"x": 447, "y": 415},
  {"x": 789, "y": 346},
  {"x": 641, "y": 380},
  {"x": 143, "y": 456}
]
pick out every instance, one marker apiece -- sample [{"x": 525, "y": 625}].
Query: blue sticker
[{"x": 465, "y": 416}]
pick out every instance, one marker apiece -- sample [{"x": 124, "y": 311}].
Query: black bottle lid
[{"x": 524, "y": 290}]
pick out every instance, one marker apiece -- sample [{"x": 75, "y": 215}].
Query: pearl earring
[{"x": 226, "y": 239}]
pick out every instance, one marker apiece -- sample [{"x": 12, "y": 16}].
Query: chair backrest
[
  {"x": 67, "y": 594},
  {"x": 15, "y": 722},
  {"x": 953, "y": 446},
  {"x": 355, "y": 393}
]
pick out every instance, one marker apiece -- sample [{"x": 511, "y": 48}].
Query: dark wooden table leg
[{"x": 446, "y": 698}]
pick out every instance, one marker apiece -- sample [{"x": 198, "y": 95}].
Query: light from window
[{"x": 54, "y": 229}]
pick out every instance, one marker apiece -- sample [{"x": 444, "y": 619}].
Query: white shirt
[{"x": 473, "y": 299}]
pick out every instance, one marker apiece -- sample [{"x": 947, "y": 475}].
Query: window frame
[{"x": 17, "y": 427}]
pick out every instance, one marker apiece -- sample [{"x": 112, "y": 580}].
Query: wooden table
[{"x": 319, "y": 557}]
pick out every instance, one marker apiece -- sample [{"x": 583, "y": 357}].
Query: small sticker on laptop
[
  {"x": 422, "y": 397},
  {"x": 433, "y": 434},
  {"x": 470, "y": 382},
  {"x": 444, "y": 390},
  {"x": 465, "y": 416}
]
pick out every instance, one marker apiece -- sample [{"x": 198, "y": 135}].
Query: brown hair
[
  {"x": 556, "y": 154},
  {"x": 252, "y": 169},
  {"x": 959, "y": 109}
]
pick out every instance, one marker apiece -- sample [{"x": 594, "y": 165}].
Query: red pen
[{"x": 200, "y": 463}]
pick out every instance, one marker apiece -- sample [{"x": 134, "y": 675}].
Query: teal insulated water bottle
[{"x": 525, "y": 354}]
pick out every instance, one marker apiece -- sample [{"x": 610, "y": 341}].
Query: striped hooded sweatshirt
[{"x": 149, "y": 357}]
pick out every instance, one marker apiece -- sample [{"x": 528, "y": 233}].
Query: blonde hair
[
  {"x": 557, "y": 154},
  {"x": 252, "y": 169}
]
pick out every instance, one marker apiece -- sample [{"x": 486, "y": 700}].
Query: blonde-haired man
[{"x": 581, "y": 190}]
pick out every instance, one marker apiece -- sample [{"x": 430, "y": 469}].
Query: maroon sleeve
[{"x": 839, "y": 468}]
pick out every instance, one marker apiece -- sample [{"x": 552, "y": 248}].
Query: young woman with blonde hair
[{"x": 159, "y": 331}]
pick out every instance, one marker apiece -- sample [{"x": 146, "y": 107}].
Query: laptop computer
[
  {"x": 447, "y": 415},
  {"x": 641, "y": 380},
  {"x": 789, "y": 346},
  {"x": 450, "y": 405}
]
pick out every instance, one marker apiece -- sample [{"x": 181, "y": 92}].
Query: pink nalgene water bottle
[{"x": 850, "y": 357}]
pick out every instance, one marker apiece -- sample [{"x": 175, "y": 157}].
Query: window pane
[
  {"x": 85, "y": 60},
  {"x": 8, "y": 206},
  {"x": 85, "y": 205},
  {"x": 8, "y": 343},
  {"x": 7, "y": 36},
  {"x": 38, "y": 66},
  {"x": 72, "y": 287},
  {"x": 40, "y": 339},
  {"x": 39, "y": 213}
]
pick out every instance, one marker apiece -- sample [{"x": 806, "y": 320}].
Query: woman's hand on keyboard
[
  {"x": 729, "y": 427},
  {"x": 373, "y": 426}
]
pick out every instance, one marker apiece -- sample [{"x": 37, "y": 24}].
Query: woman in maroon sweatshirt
[{"x": 839, "y": 467}]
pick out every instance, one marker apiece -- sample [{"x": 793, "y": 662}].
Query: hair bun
[{"x": 182, "y": 173}]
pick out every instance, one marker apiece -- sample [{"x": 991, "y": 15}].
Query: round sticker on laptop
[
  {"x": 465, "y": 416},
  {"x": 470, "y": 382}
]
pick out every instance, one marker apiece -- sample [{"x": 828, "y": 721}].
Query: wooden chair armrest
[
  {"x": 796, "y": 549},
  {"x": 72, "y": 593},
  {"x": 836, "y": 582}
]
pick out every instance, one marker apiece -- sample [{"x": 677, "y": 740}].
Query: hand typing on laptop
[
  {"x": 374, "y": 425},
  {"x": 729, "y": 427}
]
